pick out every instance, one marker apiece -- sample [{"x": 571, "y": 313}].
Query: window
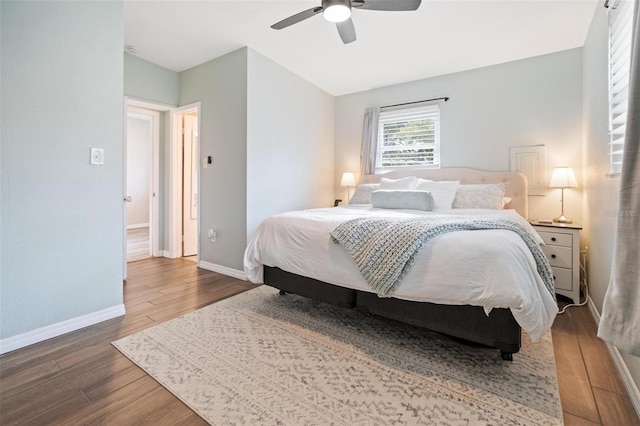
[
  {"x": 409, "y": 137},
  {"x": 620, "y": 32}
]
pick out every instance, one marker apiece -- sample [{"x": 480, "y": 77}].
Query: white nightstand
[{"x": 563, "y": 251}]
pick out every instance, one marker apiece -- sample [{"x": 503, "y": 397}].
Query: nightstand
[{"x": 563, "y": 251}]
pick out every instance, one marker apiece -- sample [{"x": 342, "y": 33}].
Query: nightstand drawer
[
  {"x": 562, "y": 278},
  {"x": 558, "y": 256},
  {"x": 557, "y": 239},
  {"x": 562, "y": 249}
]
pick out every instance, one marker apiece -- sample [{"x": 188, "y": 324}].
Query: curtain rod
[{"x": 446, "y": 98}]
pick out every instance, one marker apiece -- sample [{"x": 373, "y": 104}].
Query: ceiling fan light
[{"x": 337, "y": 13}]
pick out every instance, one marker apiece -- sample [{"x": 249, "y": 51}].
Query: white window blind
[
  {"x": 620, "y": 35},
  {"x": 409, "y": 137}
]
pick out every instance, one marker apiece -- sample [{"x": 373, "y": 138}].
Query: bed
[{"x": 482, "y": 286}]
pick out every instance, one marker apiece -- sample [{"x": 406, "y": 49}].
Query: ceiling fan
[{"x": 339, "y": 11}]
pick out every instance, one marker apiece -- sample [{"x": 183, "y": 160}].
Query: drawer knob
[
  {"x": 553, "y": 256},
  {"x": 553, "y": 238}
]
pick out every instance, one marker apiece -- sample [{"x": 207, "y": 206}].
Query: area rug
[{"x": 259, "y": 358}]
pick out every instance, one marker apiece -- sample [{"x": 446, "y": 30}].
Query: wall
[
  {"x": 61, "y": 94},
  {"x": 601, "y": 197},
  {"x": 221, "y": 87},
  {"x": 138, "y": 170},
  {"x": 527, "y": 102},
  {"x": 289, "y": 142},
  {"x": 150, "y": 82}
]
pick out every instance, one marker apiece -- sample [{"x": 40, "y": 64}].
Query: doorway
[
  {"x": 174, "y": 194},
  {"x": 188, "y": 120},
  {"x": 142, "y": 183}
]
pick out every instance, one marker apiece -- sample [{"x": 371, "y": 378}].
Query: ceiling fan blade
[
  {"x": 294, "y": 19},
  {"x": 387, "y": 5},
  {"x": 347, "y": 31}
]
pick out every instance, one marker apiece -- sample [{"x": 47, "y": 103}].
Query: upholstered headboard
[{"x": 516, "y": 188}]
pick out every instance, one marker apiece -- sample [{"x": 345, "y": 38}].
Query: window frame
[
  {"x": 620, "y": 32},
  {"x": 432, "y": 109}
]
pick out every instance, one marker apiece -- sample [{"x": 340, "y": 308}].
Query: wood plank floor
[
  {"x": 79, "y": 378},
  {"x": 137, "y": 244}
]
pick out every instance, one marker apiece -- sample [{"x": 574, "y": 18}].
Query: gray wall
[
  {"x": 221, "y": 87},
  {"x": 150, "y": 82},
  {"x": 601, "y": 196},
  {"x": 289, "y": 142},
  {"x": 62, "y": 85},
  {"x": 527, "y": 102}
]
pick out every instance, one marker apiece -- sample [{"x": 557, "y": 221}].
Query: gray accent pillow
[
  {"x": 480, "y": 196},
  {"x": 402, "y": 199}
]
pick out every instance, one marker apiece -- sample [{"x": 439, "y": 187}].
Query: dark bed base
[{"x": 498, "y": 330}]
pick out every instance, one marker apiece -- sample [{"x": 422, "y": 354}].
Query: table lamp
[
  {"x": 348, "y": 180},
  {"x": 563, "y": 177}
]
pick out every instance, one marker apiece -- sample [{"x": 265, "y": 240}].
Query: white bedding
[{"x": 489, "y": 268}]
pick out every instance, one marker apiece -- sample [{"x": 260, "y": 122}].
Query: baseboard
[
  {"x": 54, "y": 330},
  {"x": 223, "y": 270},
  {"x": 625, "y": 375},
  {"x": 138, "y": 225},
  {"x": 165, "y": 253}
]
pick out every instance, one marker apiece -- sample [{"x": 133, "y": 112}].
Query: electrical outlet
[
  {"x": 212, "y": 235},
  {"x": 97, "y": 156}
]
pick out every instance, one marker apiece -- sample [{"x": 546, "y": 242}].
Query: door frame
[
  {"x": 175, "y": 179},
  {"x": 168, "y": 131}
]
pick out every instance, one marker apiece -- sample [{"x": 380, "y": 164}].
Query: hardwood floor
[
  {"x": 137, "y": 244},
  {"x": 80, "y": 378}
]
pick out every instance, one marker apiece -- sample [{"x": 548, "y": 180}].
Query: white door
[
  {"x": 139, "y": 184},
  {"x": 190, "y": 185}
]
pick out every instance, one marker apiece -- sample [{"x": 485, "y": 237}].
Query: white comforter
[{"x": 489, "y": 268}]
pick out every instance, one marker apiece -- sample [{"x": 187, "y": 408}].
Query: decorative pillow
[
  {"x": 404, "y": 183},
  {"x": 505, "y": 201},
  {"x": 443, "y": 192},
  {"x": 402, "y": 199},
  {"x": 481, "y": 196},
  {"x": 362, "y": 194}
]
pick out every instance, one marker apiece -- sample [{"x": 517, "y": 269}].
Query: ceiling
[{"x": 441, "y": 37}]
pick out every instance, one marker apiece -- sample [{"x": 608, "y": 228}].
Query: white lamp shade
[
  {"x": 563, "y": 177},
  {"x": 348, "y": 179},
  {"x": 337, "y": 13}
]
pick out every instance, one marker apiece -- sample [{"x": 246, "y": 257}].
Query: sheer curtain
[
  {"x": 620, "y": 321},
  {"x": 369, "y": 141}
]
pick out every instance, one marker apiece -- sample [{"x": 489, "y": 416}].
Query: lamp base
[{"x": 562, "y": 219}]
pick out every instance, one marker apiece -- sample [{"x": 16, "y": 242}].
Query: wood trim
[
  {"x": 54, "y": 330},
  {"x": 222, "y": 270}
]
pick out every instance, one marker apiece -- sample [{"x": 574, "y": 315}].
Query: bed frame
[{"x": 498, "y": 330}]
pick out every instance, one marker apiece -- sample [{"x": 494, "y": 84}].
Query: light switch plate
[{"x": 97, "y": 156}]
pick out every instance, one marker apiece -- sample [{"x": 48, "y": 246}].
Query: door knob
[{"x": 128, "y": 198}]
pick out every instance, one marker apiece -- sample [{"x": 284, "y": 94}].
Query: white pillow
[
  {"x": 404, "y": 183},
  {"x": 443, "y": 192},
  {"x": 402, "y": 199},
  {"x": 362, "y": 194},
  {"x": 481, "y": 196}
]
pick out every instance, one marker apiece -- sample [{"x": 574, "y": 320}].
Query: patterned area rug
[{"x": 264, "y": 359}]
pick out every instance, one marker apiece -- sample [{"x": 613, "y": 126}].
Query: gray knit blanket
[{"x": 384, "y": 249}]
